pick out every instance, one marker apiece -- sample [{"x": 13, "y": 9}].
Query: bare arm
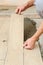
[
  {"x": 24, "y": 7},
  {"x": 30, "y": 43},
  {"x": 29, "y": 4},
  {"x": 39, "y": 32}
]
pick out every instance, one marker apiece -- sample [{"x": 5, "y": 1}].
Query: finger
[
  {"x": 20, "y": 11},
  {"x": 24, "y": 44},
  {"x": 27, "y": 47},
  {"x": 17, "y": 10}
]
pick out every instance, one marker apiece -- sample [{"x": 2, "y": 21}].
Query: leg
[{"x": 30, "y": 43}]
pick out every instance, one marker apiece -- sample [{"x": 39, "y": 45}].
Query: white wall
[{"x": 17, "y": 2}]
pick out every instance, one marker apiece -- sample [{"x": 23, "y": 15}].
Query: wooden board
[
  {"x": 16, "y": 55},
  {"x": 15, "y": 43},
  {"x": 33, "y": 57}
]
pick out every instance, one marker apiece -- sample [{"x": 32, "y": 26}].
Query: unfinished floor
[{"x": 24, "y": 56}]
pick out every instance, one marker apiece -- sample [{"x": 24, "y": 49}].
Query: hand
[
  {"x": 29, "y": 44},
  {"x": 20, "y": 9}
]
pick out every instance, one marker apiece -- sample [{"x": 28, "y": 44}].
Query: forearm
[
  {"x": 29, "y": 4},
  {"x": 38, "y": 33}
]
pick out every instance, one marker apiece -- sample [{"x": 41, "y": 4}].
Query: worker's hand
[
  {"x": 29, "y": 44},
  {"x": 20, "y": 9}
]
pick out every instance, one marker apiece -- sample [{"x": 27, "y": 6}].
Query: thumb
[
  {"x": 29, "y": 48},
  {"x": 26, "y": 47}
]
